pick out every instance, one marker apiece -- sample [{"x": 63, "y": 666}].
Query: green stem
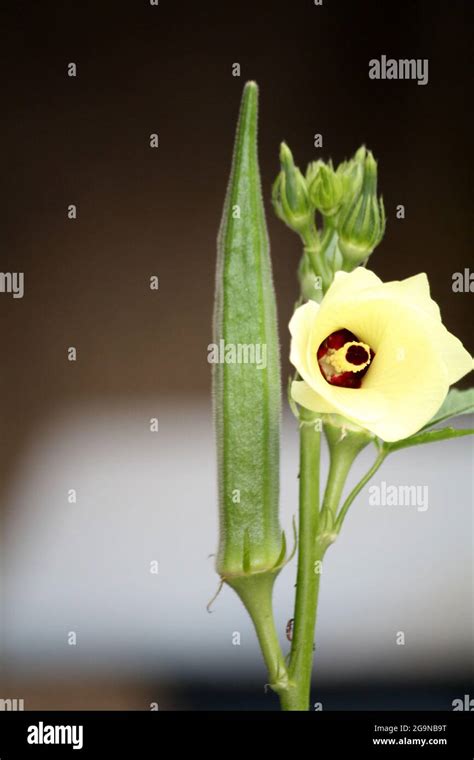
[
  {"x": 296, "y": 696},
  {"x": 337, "y": 476},
  {"x": 358, "y": 488},
  {"x": 256, "y": 592},
  {"x": 345, "y": 446},
  {"x": 315, "y": 253},
  {"x": 328, "y": 233}
]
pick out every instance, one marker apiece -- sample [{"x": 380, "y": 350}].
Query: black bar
[{"x": 109, "y": 734}]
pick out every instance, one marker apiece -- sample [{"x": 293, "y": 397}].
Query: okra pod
[{"x": 246, "y": 376}]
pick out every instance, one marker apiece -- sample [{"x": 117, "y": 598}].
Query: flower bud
[
  {"x": 351, "y": 174},
  {"x": 290, "y": 194},
  {"x": 361, "y": 224},
  {"x": 326, "y": 190},
  {"x": 312, "y": 170}
]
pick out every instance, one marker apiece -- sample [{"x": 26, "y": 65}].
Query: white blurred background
[{"x": 141, "y": 497}]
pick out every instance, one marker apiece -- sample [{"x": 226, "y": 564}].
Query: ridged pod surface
[{"x": 247, "y": 394}]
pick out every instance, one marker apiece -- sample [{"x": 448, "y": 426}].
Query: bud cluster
[{"x": 345, "y": 197}]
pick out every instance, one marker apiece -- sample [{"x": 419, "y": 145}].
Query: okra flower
[{"x": 376, "y": 353}]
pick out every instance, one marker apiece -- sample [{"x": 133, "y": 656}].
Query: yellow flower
[{"x": 376, "y": 353}]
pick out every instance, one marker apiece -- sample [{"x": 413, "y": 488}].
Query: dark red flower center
[{"x": 343, "y": 359}]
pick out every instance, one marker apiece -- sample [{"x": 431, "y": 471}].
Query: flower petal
[
  {"x": 300, "y": 327},
  {"x": 350, "y": 283},
  {"x": 304, "y": 395},
  {"x": 416, "y": 358}
]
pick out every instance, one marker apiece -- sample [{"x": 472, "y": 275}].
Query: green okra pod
[{"x": 246, "y": 377}]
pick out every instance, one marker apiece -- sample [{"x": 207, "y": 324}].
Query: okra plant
[{"x": 373, "y": 367}]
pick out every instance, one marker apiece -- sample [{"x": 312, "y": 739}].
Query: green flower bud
[
  {"x": 361, "y": 224},
  {"x": 312, "y": 170},
  {"x": 290, "y": 194},
  {"x": 360, "y": 155},
  {"x": 351, "y": 174},
  {"x": 326, "y": 190}
]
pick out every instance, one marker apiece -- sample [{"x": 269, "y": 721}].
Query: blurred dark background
[{"x": 144, "y": 212}]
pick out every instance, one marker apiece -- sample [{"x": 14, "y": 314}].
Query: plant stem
[
  {"x": 256, "y": 591},
  {"x": 344, "y": 447},
  {"x": 296, "y": 696},
  {"x": 337, "y": 476},
  {"x": 358, "y": 488},
  {"x": 315, "y": 253}
]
